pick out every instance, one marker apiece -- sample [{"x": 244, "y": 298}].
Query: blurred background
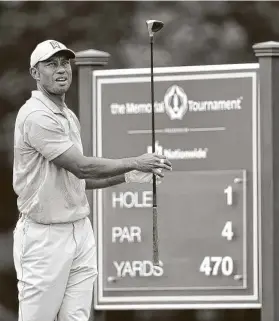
[{"x": 195, "y": 33}]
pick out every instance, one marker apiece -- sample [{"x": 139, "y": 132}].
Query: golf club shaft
[{"x": 155, "y": 213}]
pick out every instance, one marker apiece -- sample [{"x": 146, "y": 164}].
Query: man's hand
[
  {"x": 152, "y": 163},
  {"x": 141, "y": 177},
  {"x": 84, "y": 167}
]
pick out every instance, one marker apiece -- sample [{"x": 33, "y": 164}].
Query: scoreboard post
[
  {"x": 268, "y": 55},
  {"x": 217, "y": 212}
]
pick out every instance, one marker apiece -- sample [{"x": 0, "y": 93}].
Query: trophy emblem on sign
[{"x": 175, "y": 102}]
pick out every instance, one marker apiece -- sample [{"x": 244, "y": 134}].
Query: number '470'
[{"x": 216, "y": 265}]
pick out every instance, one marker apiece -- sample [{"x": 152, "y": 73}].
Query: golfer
[{"x": 54, "y": 246}]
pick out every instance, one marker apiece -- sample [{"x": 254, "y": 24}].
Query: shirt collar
[{"x": 46, "y": 101}]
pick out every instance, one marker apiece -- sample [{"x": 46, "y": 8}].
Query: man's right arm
[
  {"x": 95, "y": 167},
  {"x": 45, "y": 134}
]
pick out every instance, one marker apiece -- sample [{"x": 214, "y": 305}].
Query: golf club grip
[{"x": 155, "y": 237}]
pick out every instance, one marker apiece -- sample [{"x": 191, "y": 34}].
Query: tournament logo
[{"x": 176, "y": 102}]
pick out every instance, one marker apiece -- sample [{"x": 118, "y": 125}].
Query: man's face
[{"x": 55, "y": 74}]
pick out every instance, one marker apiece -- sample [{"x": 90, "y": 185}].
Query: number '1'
[{"x": 229, "y": 192}]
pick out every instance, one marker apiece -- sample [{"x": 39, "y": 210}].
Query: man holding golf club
[{"x": 54, "y": 245}]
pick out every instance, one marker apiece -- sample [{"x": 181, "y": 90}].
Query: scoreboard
[{"x": 206, "y": 121}]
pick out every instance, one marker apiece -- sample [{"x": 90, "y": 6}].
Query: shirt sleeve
[
  {"x": 75, "y": 119},
  {"x": 46, "y": 134}
]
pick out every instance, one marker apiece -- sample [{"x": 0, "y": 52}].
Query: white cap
[{"x": 46, "y": 49}]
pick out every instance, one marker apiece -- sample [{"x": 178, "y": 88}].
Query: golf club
[{"x": 154, "y": 26}]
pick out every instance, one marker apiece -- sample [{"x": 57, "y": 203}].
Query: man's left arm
[
  {"x": 105, "y": 182},
  {"x": 130, "y": 177}
]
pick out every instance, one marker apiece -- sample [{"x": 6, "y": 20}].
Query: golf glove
[{"x": 141, "y": 177}]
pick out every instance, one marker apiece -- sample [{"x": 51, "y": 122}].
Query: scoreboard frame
[{"x": 193, "y": 302}]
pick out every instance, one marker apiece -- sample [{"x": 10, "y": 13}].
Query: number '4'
[{"x": 227, "y": 231}]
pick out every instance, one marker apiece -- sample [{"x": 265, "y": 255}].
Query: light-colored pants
[{"x": 56, "y": 269}]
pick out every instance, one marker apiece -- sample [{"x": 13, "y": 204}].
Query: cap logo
[{"x": 55, "y": 44}]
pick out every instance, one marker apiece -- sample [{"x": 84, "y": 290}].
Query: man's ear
[{"x": 34, "y": 72}]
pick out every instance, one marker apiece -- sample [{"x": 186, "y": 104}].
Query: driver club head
[{"x": 154, "y": 26}]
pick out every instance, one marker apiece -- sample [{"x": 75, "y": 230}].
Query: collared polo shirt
[{"x": 47, "y": 193}]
